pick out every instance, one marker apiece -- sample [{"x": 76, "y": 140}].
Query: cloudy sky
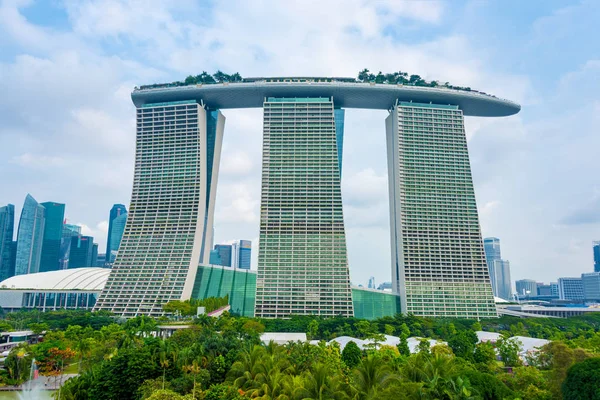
[{"x": 67, "y": 122}]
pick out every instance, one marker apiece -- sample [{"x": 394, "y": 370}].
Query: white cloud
[
  {"x": 38, "y": 161},
  {"x": 69, "y": 111}
]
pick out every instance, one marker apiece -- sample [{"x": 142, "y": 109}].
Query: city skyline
[{"x": 509, "y": 162}]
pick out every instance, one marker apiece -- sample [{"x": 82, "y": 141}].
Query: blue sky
[{"x": 67, "y": 134}]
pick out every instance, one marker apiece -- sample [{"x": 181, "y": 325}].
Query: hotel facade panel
[
  {"x": 302, "y": 256},
  {"x": 177, "y": 156},
  {"x": 438, "y": 262}
]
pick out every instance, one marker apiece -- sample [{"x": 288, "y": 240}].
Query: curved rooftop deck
[{"x": 345, "y": 95}]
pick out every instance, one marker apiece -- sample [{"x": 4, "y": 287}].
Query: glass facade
[
  {"x": 302, "y": 257},
  {"x": 30, "y": 237},
  {"x": 240, "y": 286},
  {"x": 596, "y": 250},
  {"x": 499, "y": 269},
  {"x": 244, "y": 254},
  {"x": 500, "y": 279},
  {"x": 167, "y": 220},
  {"x": 53, "y": 227},
  {"x": 570, "y": 289},
  {"x": 115, "y": 233},
  {"x": 438, "y": 262},
  {"x": 591, "y": 286},
  {"x": 225, "y": 254},
  {"x": 81, "y": 252},
  {"x": 491, "y": 245},
  {"x": 7, "y": 228},
  {"x": 526, "y": 287},
  {"x": 373, "y": 304}
]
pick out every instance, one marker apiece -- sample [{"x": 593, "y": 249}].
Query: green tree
[
  {"x": 583, "y": 381},
  {"x": 363, "y": 75},
  {"x": 463, "y": 344},
  {"x": 484, "y": 353},
  {"x": 371, "y": 376},
  {"x": 424, "y": 347},
  {"x": 403, "y": 348},
  {"x": 509, "y": 349},
  {"x": 223, "y": 392},
  {"x": 313, "y": 329},
  {"x": 351, "y": 354}
]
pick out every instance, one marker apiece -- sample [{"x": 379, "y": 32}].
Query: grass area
[
  {"x": 45, "y": 395},
  {"x": 71, "y": 369}
]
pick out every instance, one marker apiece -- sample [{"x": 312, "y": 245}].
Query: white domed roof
[{"x": 66, "y": 279}]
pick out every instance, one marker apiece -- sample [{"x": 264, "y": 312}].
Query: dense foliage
[{"x": 224, "y": 359}]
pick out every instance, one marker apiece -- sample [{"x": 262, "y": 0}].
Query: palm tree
[
  {"x": 243, "y": 372},
  {"x": 321, "y": 383},
  {"x": 194, "y": 369},
  {"x": 371, "y": 375}
]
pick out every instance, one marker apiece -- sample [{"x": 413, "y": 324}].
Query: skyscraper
[
  {"x": 178, "y": 149},
  {"x": 570, "y": 289},
  {"x": 499, "y": 269},
  {"x": 82, "y": 252},
  {"x": 526, "y": 287},
  {"x": 591, "y": 286},
  {"x": 596, "y": 249},
  {"x": 244, "y": 254},
  {"x": 491, "y": 245},
  {"x": 438, "y": 262},
  {"x": 7, "y": 227},
  {"x": 30, "y": 237},
  {"x": 53, "y": 227},
  {"x": 115, "y": 232},
  {"x": 68, "y": 232},
  {"x": 500, "y": 278},
  {"x": 225, "y": 254},
  {"x": 302, "y": 258}
]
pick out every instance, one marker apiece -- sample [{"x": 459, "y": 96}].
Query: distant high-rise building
[
  {"x": 115, "y": 231},
  {"x": 7, "y": 228},
  {"x": 596, "y": 249},
  {"x": 94, "y": 255},
  {"x": 526, "y": 287},
  {"x": 30, "y": 237},
  {"x": 499, "y": 269},
  {"x": 214, "y": 258},
  {"x": 68, "y": 232},
  {"x": 385, "y": 286},
  {"x": 244, "y": 254},
  {"x": 101, "y": 260},
  {"x": 554, "y": 288},
  {"x": 225, "y": 254},
  {"x": 591, "y": 286},
  {"x": 53, "y": 227},
  {"x": 371, "y": 284},
  {"x": 491, "y": 245},
  {"x": 82, "y": 252},
  {"x": 116, "y": 234},
  {"x": 544, "y": 290},
  {"x": 570, "y": 289},
  {"x": 500, "y": 277}
]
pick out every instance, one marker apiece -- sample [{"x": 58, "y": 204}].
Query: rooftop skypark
[{"x": 364, "y": 76}]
